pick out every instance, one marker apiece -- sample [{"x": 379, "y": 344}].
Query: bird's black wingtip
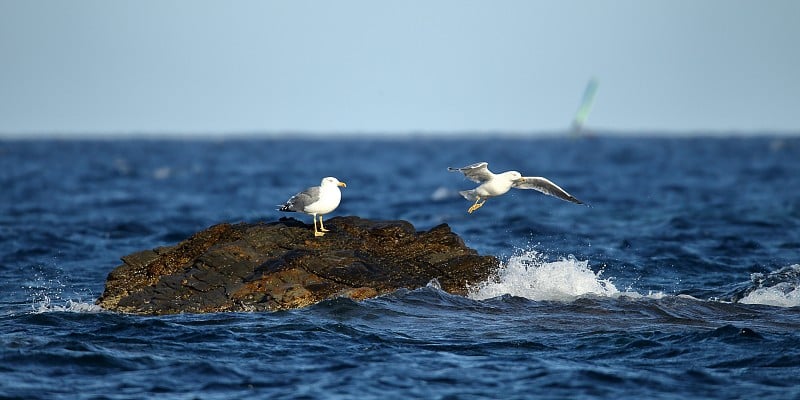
[{"x": 578, "y": 202}]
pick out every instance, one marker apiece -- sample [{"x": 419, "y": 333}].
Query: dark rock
[{"x": 281, "y": 265}]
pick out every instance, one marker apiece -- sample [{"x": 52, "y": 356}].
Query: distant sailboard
[{"x": 586, "y": 106}]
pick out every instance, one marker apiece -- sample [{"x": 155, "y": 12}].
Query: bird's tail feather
[{"x": 469, "y": 194}]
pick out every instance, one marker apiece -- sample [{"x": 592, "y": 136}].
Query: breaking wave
[
  {"x": 530, "y": 275},
  {"x": 780, "y": 288}
]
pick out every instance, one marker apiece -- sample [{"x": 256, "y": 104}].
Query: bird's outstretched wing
[
  {"x": 478, "y": 172},
  {"x": 545, "y": 186}
]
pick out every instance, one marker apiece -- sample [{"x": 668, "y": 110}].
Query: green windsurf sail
[{"x": 586, "y": 106}]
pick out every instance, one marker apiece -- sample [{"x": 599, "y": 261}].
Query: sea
[{"x": 680, "y": 278}]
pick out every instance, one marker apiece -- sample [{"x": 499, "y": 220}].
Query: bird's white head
[{"x": 332, "y": 182}]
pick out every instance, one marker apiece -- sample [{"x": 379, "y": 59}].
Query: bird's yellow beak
[{"x": 342, "y": 184}]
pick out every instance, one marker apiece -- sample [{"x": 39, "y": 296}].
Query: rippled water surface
[{"x": 680, "y": 280}]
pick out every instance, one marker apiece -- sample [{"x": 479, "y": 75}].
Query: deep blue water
[{"x": 679, "y": 281}]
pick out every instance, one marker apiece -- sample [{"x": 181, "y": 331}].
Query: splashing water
[
  {"x": 46, "y": 305},
  {"x": 530, "y": 275},
  {"x": 780, "y": 288},
  {"x": 49, "y": 290}
]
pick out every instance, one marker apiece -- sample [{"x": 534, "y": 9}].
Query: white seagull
[
  {"x": 492, "y": 185},
  {"x": 316, "y": 200}
]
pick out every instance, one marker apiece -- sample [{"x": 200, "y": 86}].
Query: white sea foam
[
  {"x": 46, "y": 305},
  {"x": 442, "y": 193},
  {"x": 162, "y": 173},
  {"x": 47, "y": 294},
  {"x": 780, "y": 295},
  {"x": 779, "y": 289},
  {"x": 530, "y": 275}
]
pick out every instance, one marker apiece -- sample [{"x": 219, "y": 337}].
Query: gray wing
[
  {"x": 478, "y": 172},
  {"x": 300, "y": 201},
  {"x": 545, "y": 186}
]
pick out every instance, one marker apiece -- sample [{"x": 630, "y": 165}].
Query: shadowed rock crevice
[{"x": 281, "y": 265}]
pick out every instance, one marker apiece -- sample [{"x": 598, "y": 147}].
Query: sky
[{"x": 365, "y": 66}]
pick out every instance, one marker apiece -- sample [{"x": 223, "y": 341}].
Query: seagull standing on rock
[
  {"x": 316, "y": 200},
  {"x": 493, "y": 185}
]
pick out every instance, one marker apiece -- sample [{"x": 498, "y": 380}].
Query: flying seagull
[
  {"x": 316, "y": 200},
  {"x": 492, "y": 185}
]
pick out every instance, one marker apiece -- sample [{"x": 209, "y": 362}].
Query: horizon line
[{"x": 343, "y": 134}]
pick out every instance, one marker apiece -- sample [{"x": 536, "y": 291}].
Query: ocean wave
[
  {"x": 780, "y": 288},
  {"x": 530, "y": 275}
]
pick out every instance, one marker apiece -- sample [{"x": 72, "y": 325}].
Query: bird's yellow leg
[
  {"x": 322, "y": 227},
  {"x": 316, "y": 232},
  {"x": 478, "y": 204}
]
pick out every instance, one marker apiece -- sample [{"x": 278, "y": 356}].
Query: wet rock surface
[{"x": 281, "y": 265}]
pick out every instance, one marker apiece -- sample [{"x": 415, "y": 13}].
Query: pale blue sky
[{"x": 395, "y": 66}]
